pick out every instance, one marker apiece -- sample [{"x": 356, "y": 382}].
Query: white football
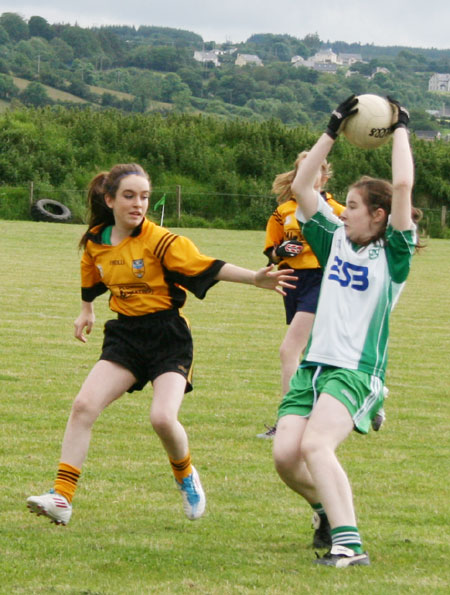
[{"x": 370, "y": 127}]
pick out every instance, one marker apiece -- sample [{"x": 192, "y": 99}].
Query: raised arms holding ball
[{"x": 338, "y": 387}]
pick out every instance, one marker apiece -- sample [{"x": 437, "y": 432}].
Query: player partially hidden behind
[
  {"x": 146, "y": 268},
  {"x": 338, "y": 387},
  {"x": 287, "y": 247}
]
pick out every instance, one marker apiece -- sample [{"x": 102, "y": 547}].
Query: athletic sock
[
  {"x": 181, "y": 468},
  {"x": 66, "y": 480},
  {"x": 320, "y": 510},
  {"x": 348, "y": 537}
]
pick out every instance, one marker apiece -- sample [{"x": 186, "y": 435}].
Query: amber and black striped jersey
[
  {"x": 283, "y": 225},
  {"x": 147, "y": 272}
]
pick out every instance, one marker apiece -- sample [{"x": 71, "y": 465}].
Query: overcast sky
[{"x": 412, "y": 23}]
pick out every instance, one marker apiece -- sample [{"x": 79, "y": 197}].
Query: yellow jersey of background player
[{"x": 283, "y": 225}]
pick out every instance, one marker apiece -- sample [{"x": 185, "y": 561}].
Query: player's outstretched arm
[
  {"x": 304, "y": 181},
  {"x": 265, "y": 278},
  {"x": 402, "y": 170},
  {"x": 85, "y": 320}
]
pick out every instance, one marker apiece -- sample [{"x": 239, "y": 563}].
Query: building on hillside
[
  {"x": 325, "y": 57},
  {"x": 428, "y": 134},
  {"x": 299, "y": 61},
  {"x": 206, "y": 57},
  {"x": 248, "y": 60},
  {"x": 443, "y": 112},
  {"x": 326, "y": 67},
  {"x": 349, "y": 59},
  {"x": 228, "y": 51},
  {"x": 379, "y": 70},
  {"x": 326, "y": 61},
  {"x": 439, "y": 82}
]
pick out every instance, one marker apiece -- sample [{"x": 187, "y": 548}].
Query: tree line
[
  {"x": 225, "y": 167},
  {"x": 156, "y": 64}
]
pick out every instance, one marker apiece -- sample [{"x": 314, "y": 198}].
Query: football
[{"x": 370, "y": 127}]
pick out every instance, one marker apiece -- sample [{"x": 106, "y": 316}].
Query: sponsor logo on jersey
[
  {"x": 128, "y": 290},
  {"x": 138, "y": 268},
  {"x": 348, "y": 274},
  {"x": 374, "y": 253}
]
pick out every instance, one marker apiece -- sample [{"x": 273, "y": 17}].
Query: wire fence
[{"x": 180, "y": 207}]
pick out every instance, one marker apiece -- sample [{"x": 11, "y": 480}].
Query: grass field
[
  {"x": 128, "y": 533},
  {"x": 58, "y": 95},
  {"x": 55, "y": 94}
]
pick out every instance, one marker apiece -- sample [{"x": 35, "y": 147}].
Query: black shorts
[
  {"x": 150, "y": 345},
  {"x": 305, "y": 296}
]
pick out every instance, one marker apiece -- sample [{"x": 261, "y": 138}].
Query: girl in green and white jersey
[{"x": 366, "y": 256}]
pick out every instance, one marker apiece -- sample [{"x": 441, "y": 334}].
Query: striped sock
[
  {"x": 319, "y": 509},
  {"x": 181, "y": 468},
  {"x": 66, "y": 480},
  {"x": 348, "y": 537}
]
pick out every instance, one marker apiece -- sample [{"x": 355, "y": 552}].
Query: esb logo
[{"x": 349, "y": 275}]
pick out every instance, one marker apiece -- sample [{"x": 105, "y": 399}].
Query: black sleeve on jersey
[
  {"x": 88, "y": 294},
  {"x": 268, "y": 252},
  {"x": 199, "y": 284}
]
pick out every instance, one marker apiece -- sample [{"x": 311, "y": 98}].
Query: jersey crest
[{"x": 138, "y": 268}]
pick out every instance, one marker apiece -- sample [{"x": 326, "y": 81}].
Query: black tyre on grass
[{"x": 47, "y": 209}]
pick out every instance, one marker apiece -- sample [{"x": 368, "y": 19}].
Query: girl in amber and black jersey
[{"x": 147, "y": 270}]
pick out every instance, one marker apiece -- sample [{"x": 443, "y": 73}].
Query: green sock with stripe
[
  {"x": 348, "y": 537},
  {"x": 320, "y": 510}
]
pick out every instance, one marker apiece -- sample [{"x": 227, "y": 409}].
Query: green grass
[
  {"x": 55, "y": 94},
  {"x": 128, "y": 533},
  {"x": 59, "y": 95}
]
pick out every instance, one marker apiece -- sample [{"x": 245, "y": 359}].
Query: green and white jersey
[{"x": 360, "y": 287}]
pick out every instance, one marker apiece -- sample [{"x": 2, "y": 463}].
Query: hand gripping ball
[{"x": 370, "y": 127}]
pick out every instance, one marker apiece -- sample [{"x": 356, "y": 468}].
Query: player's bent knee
[
  {"x": 313, "y": 445},
  {"x": 285, "y": 460},
  {"x": 84, "y": 409},
  {"x": 162, "y": 423}
]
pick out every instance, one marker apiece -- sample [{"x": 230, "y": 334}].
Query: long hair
[
  {"x": 377, "y": 194},
  {"x": 282, "y": 184},
  {"x": 106, "y": 183}
]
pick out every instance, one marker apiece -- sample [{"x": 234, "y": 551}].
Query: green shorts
[{"x": 361, "y": 393}]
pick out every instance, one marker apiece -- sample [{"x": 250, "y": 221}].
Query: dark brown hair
[
  {"x": 106, "y": 183},
  {"x": 377, "y": 194}
]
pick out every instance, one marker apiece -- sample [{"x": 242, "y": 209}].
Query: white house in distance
[
  {"x": 326, "y": 61},
  {"x": 349, "y": 59},
  {"x": 205, "y": 57},
  {"x": 248, "y": 60},
  {"x": 439, "y": 82}
]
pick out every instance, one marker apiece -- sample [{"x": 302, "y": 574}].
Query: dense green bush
[
  {"x": 14, "y": 203},
  {"x": 225, "y": 167}
]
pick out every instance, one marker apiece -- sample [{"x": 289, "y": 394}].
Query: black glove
[
  {"x": 289, "y": 248},
  {"x": 343, "y": 111},
  {"x": 402, "y": 114}
]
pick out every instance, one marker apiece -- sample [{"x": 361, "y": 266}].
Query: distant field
[
  {"x": 119, "y": 94},
  {"x": 53, "y": 93},
  {"x": 56, "y": 95},
  {"x": 128, "y": 534}
]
